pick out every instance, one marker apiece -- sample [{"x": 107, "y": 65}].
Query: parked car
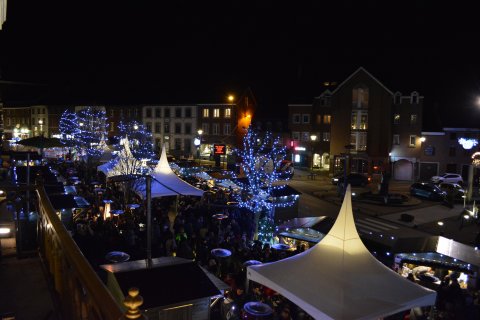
[
  {"x": 455, "y": 188},
  {"x": 354, "y": 179},
  {"x": 448, "y": 177},
  {"x": 428, "y": 191}
]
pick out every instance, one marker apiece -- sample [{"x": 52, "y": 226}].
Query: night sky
[{"x": 198, "y": 51}]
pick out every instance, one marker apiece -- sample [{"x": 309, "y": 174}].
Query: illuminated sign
[
  {"x": 300, "y": 148},
  {"x": 219, "y": 149},
  {"x": 467, "y": 144}
]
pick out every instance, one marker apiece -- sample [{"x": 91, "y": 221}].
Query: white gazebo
[
  {"x": 167, "y": 183},
  {"x": 338, "y": 278}
]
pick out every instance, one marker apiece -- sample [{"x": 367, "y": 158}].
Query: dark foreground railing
[{"x": 81, "y": 293}]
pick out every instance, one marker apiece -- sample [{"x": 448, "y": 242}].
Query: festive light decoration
[
  {"x": 261, "y": 163},
  {"x": 92, "y": 126},
  {"x": 141, "y": 141},
  {"x": 266, "y": 228},
  {"x": 69, "y": 128}
]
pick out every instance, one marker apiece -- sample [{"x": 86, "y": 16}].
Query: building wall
[
  {"x": 116, "y": 113},
  {"x": 40, "y": 120},
  {"x": 405, "y": 107},
  {"x": 162, "y": 121},
  {"x": 443, "y": 150},
  {"x": 17, "y": 118},
  {"x": 379, "y": 114},
  {"x": 228, "y": 126}
]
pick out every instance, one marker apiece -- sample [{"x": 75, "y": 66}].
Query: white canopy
[
  {"x": 167, "y": 183},
  {"x": 339, "y": 279}
]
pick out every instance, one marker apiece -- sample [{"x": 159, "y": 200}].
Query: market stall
[
  {"x": 339, "y": 279},
  {"x": 437, "y": 257}
]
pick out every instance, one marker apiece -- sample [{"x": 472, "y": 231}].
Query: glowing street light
[
  {"x": 422, "y": 139},
  {"x": 230, "y": 98}
]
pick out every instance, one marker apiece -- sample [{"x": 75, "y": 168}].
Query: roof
[
  {"x": 167, "y": 183},
  {"x": 361, "y": 69},
  {"x": 62, "y": 201},
  {"x": 167, "y": 284},
  {"x": 339, "y": 279}
]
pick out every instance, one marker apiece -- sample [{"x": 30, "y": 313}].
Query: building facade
[
  {"x": 174, "y": 126},
  {"x": 451, "y": 150},
  {"x": 359, "y": 126}
]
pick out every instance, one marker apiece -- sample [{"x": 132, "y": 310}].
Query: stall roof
[
  {"x": 62, "y": 201},
  {"x": 339, "y": 279},
  {"x": 169, "y": 281},
  {"x": 440, "y": 245},
  {"x": 168, "y": 183}
]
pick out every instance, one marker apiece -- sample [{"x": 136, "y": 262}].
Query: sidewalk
[{"x": 24, "y": 289}]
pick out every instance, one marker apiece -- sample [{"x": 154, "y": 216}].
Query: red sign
[{"x": 219, "y": 149}]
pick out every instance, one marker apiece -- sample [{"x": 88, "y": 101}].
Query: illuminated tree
[
  {"x": 261, "y": 163},
  {"x": 140, "y": 139},
  {"x": 92, "y": 131}
]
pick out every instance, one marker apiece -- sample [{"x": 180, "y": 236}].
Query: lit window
[
  {"x": 359, "y": 120},
  {"x": 327, "y": 118},
  {"x": 205, "y": 113},
  {"x": 228, "y": 113},
  {"x": 296, "y": 118},
  {"x": 216, "y": 113},
  {"x": 396, "y": 118},
  {"x": 396, "y": 139},
  {"x": 412, "y": 141},
  {"x": 326, "y": 136},
  {"x": 360, "y": 97}
]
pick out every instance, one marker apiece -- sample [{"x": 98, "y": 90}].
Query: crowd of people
[
  {"x": 190, "y": 228},
  {"x": 186, "y": 227}
]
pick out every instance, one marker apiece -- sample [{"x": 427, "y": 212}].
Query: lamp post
[
  {"x": 198, "y": 143},
  {"x": 313, "y": 138},
  {"x": 40, "y": 122}
]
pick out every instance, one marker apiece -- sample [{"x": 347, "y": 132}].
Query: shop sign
[
  {"x": 429, "y": 151},
  {"x": 219, "y": 149}
]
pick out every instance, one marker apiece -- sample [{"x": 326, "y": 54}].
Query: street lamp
[
  {"x": 197, "y": 142},
  {"x": 230, "y": 98},
  {"x": 313, "y": 138},
  {"x": 40, "y": 122}
]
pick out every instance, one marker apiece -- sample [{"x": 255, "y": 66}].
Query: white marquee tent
[
  {"x": 339, "y": 279},
  {"x": 167, "y": 183}
]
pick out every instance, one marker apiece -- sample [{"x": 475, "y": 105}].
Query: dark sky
[{"x": 191, "y": 51}]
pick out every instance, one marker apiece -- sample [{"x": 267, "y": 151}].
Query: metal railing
[{"x": 81, "y": 293}]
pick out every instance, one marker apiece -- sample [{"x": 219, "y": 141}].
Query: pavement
[
  {"x": 319, "y": 197},
  {"x": 24, "y": 289}
]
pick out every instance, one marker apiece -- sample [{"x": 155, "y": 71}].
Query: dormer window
[
  {"x": 397, "y": 98},
  {"x": 414, "y": 97}
]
